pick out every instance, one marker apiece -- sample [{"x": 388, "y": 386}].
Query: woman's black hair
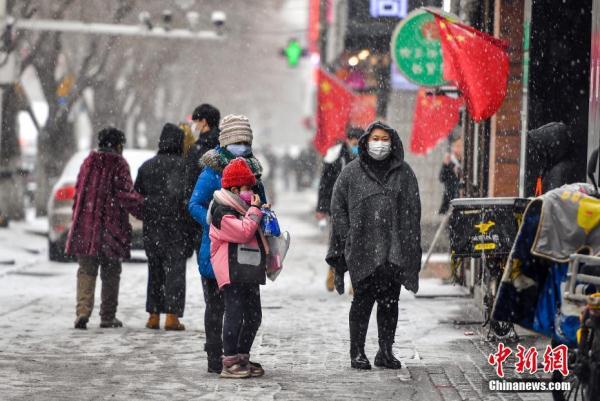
[
  {"x": 208, "y": 112},
  {"x": 110, "y": 137}
]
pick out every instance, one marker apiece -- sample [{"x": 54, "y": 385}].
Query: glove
[{"x": 339, "y": 282}]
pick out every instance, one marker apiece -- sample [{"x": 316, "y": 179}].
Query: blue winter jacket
[{"x": 208, "y": 182}]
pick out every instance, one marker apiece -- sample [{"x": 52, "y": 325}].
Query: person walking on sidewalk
[
  {"x": 336, "y": 158},
  {"x": 235, "y": 140},
  {"x": 166, "y": 238},
  {"x": 235, "y": 217},
  {"x": 100, "y": 235},
  {"x": 376, "y": 236}
]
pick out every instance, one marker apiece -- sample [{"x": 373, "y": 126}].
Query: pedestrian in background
[
  {"x": 376, "y": 236},
  {"x": 451, "y": 173},
  {"x": 336, "y": 158},
  {"x": 166, "y": 235},
  {"x": 205, "y": 126},
  {"x": 100, "y": 235},
  {"x": 235, "y": 230},
  {"x": 235, "y": 140}
]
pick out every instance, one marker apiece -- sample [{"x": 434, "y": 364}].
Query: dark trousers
[
  {"x": 213, "y": 315},
  {"x": 380, "y": 287},
  {"x": 166, "y": 282},
  {"x": 110, "y": 274},
  {"x": 243, "y": 315}
]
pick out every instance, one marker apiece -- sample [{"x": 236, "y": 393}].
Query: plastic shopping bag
[{"x": 278, "y": 250}]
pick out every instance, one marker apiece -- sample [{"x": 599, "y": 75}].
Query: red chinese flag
[
  {"x": 478, "y": 63},
  {"x": 363, "y": 111},
  {"x": 333, "y": 111},
  {"x": 435, "y": 116}
]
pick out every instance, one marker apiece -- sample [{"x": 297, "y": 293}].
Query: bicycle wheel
[
  {"x": 593, "y": 383},
  {"x": 580, "y": 375},
  {"x": 571, "y": 394}
]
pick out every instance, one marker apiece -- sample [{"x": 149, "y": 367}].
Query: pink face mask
[{"x": 246, "y": 196}]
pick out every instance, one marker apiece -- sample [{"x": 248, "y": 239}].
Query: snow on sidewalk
[{"x": 303, "y": 341}]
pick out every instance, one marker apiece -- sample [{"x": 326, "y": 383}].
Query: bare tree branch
[
  {"x": 86, "y": 78},
  {"x": 59, "y": 10},
  {"x": 58, "y": 13}
]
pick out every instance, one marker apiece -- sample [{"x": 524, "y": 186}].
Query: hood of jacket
[
  {"x": 397, "y": 146},
  {"x": 171, "y": 140}
]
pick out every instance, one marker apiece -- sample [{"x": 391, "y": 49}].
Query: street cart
[
  {"x": 484, "y": 229},
  {"x": 551, "y": 282}
]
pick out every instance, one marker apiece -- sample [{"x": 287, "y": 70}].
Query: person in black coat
[
  {"x": 166, "y": 234},
  {"x": 205, "y": 126},
  {"x": 336, "y": 158},
  {"x": 551, "y": 160},
  {"x": 376, "y": 237},
  {"x": 450, "y": 174}
]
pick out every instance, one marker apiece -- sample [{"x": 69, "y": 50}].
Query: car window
[
  {"x": 72, "y": 168},
  {"x": 135, "y": 158}
]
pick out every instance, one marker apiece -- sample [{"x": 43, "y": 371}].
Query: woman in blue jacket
[{"x": 235, "y": 140}]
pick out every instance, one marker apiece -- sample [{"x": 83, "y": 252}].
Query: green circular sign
[{"x": 416, "y": 49}]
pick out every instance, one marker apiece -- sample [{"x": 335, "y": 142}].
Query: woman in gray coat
[{"x": 376, "y": 237}]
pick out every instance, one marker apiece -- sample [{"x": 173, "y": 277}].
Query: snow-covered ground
[{"x": 303, "y": 342}]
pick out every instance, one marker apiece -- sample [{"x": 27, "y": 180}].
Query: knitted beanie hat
[
  {"x": 237, "y": 173},
  {"x": 234, "y": 129}
]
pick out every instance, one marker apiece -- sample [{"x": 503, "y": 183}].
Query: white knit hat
[{"x": 235, "y": 129}]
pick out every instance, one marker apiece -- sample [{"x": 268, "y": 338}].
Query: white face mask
[
  {"x": 379, "y": 150},
  {"x": 195, "y": 129}
]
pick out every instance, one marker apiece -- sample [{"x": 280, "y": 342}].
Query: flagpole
[{"x": 525, "y": 99}]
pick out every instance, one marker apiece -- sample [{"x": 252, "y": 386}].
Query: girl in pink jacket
[{"x": 239, "y": 258}]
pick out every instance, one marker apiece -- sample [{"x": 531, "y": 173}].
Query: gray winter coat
[{"x": 377, "y": 222}]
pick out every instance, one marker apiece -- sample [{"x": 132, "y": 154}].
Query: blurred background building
[{"x": 63, "y": 86}]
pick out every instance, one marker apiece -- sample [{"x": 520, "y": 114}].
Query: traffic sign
[
  {"x": 416, "y": 49},
  {"x": 293, "y": 52}
]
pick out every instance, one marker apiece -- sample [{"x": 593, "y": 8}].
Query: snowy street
[
  {"x": 302, "y": 343},
  {"x": 463, "y": 134}
]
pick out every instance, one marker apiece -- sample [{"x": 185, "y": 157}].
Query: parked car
[{"x": 60, "y": 204}]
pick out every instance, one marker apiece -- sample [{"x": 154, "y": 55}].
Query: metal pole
[
  {"x": 323, "y": 31},
  {"x": 524, "y": 105},
  {"x": 2, "y": 57},
  {"x": 2, "y": 13},
  {"x": 112, "y": 29},
  {"x": 436, "y": 237}
]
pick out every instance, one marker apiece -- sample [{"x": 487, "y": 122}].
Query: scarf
[
  {"x": 228, "y": 198},
  {"x": 226, "y": 156}
]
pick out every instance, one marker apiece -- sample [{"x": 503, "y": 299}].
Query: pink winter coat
[{"x": 236, "y": 252}]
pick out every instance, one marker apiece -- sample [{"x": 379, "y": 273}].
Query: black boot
[
  {"x": 81, "y": 322},
  {"x": 214, "y": 354},
  {"x": 358, "y": 335},
  {"x": 111, "y": 323},
  {"x": 385, "y": 357},
  {"x": 358, "y": 359}
]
